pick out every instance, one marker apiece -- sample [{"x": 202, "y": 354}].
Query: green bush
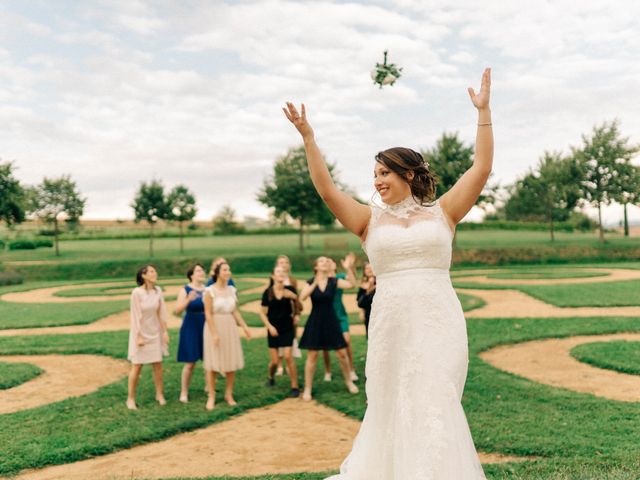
[
  {"x": 22, "y": 245},
  {"x": 2, "y": 244},
  {"x": 39, "y": 243},
  {"x": 513, "y": 225},
  {"x": 10, "y": 278}
]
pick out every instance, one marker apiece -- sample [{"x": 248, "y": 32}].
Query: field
[{"x": 553, "y": 389}]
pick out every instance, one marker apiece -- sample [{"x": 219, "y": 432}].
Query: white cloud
[{"x": 119, "y": 92}]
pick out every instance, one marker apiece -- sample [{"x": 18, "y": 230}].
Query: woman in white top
[
  {"x": 148, "y": 336},
  {"x": 222, "y": 348}
]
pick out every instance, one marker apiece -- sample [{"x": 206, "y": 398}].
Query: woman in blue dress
[{"x": 190, "y": 345}]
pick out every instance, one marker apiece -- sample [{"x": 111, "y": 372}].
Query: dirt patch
[
  {"x": 288, "y": 437},
  {"x": 550, "y": 362},
  {"x": 613, "y": 275},
  {"x": 516, "y": 304},
  {"x": 64, "y": 376}
]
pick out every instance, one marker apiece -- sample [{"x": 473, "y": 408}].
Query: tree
[
  {"x": 629, "y": 191},
  {"x": 12, "y": 196},
  {"x": 150, "y": 205},
  {"x": 55, "y": 200},
  {"x": 181, "y": 206},
  {"x": 290, "y": 190},
  {"x": 224, "y": 223},
  {"x": 602, "y": 159},
  {"x": 448, "y": 161},
  {"x": 549, "y": 193}
]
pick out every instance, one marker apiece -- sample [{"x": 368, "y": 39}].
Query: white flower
[{"x": 388, "y": 79}]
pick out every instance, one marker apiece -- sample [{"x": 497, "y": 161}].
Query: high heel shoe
[
  {"x": 352, "y": 388},
  {"x": 131, "y": 404},
  {"x": 161, "y": 400},
  {"x": 211, "y": 403}
]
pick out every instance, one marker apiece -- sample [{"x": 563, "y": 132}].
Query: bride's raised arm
[
  {"x": 457, "y": 202},
  {"x": 352, "y": 214}
]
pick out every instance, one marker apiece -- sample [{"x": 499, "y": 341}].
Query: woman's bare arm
[
  {"x": 350, "y": 213},
  {"x": 457, "y": 202}
]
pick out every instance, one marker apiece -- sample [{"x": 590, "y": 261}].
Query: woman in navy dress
[
  {"x": 190, "y": 345},
  {"x": 322, "y": 331}
]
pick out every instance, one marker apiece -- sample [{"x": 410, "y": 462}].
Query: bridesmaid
[
  {"x": 217, "y": 261},
  {"x": 341, "y": 313},
  {"x": 290, "y": 281},
  {"x": 190, "y": 344},
  {"x": 365, "y": 294},
  {"x": 148, "y": 336},
  {"x": 322, "y": 331},
  {"x": 278, "y": 314},
  {"x": 222, "y": 347}
]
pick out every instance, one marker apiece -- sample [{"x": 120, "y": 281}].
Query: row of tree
[{"x": 595, "y": 173}]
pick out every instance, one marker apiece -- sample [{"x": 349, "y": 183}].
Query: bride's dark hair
[{"x": 402, "y": 160}]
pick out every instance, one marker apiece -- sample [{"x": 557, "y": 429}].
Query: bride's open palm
[
  {"x": 481, "y": 99},
  {"x": 299, "y": 120}
]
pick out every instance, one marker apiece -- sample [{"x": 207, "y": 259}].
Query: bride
[{"x": 414, "y": 427}]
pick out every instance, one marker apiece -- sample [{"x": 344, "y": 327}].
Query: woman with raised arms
[{"x": 414, "y": 426}]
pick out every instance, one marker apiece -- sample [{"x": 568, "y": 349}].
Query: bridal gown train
[{"x": 414, "y": 427}]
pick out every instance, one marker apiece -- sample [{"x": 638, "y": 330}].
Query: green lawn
[
  {"x": 622, "y": 356},
  {"x": 27, "y": 315},
  {"x": 578, "y": 434},
  {"x": 13, "y": 374},
  {"x": 602, "y": 294},
  {"x": 544, "y": 274},
  {"x": 274, "y": 244}
]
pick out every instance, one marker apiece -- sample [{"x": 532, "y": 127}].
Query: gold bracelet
[{"x": 484, "y": 124}]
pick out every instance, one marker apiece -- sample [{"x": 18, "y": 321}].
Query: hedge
[
  {"x": 29, "y": 244},
  {"x": 10, "y": 278}
]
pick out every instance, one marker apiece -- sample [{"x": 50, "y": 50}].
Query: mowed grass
[
  {"x": 622, "y": 356},
  {"x": 14, "y": 374},
  {"x": 598, "y": 294},
  {"x": 28, "y": 315},
  {"x": 572, "y": 435},
  {"x": 544, "y": 274},
  {"x": 275, "y": 244}
]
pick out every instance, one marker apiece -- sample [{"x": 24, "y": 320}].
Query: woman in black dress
[
  {"x": 279, "y": 316},
  {"x": 365, "y": 294},
  {"x": 323, "y": 331}
]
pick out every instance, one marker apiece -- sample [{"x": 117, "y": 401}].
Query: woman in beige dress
[
  {"x": 222, "y": 350},
  {"x": 148, "y": 336}
]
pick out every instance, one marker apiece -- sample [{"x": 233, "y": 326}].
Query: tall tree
[
  {"x": 181, "y": 205},
  {"x": 56, "y": 200},
  {"x": 603, "y": 158},
  {"x": 290, "y": 190},
  {"x": 629, "y": 191},
  {"x": 549, "y": 193},
  {"x": 12, "y": 196},
  {"x": 150, "y": 205}
]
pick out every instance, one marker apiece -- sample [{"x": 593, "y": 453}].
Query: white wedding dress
[{"x": 414, "y": 427}]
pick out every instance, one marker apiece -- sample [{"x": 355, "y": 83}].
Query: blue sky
[{"x": 119, "y": 92}]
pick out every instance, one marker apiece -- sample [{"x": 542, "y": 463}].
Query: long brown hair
[{"x": 401, "y": 161}]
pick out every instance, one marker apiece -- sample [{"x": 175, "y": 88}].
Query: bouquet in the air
[{"x": 385, "y": 74}]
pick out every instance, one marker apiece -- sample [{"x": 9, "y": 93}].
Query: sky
[{"x": 118, "y": 92}]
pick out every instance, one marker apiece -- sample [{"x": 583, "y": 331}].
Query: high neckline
[{"x": 406, "y": 202}]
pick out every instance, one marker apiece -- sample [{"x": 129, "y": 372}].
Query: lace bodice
[
  {"x": 223, "y": 302},
  {"x": 407, "y": 236}
]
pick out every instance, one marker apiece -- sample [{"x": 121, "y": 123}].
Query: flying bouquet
[{"x": 385, "y": 74}]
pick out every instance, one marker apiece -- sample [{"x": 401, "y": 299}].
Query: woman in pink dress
[{"x": 148, "y": 336}]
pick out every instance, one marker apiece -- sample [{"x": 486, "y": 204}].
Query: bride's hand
[
  {"x": 299, "y": 120},
  {"x": 481, "y": 100}
]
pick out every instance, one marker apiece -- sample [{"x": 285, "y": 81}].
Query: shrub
[
  {"x": 10, "y": 278},
  {"x": 2, "y": 244},
  {"x": 22, "y": 245},
  {"x": 39, "y": 243}
]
